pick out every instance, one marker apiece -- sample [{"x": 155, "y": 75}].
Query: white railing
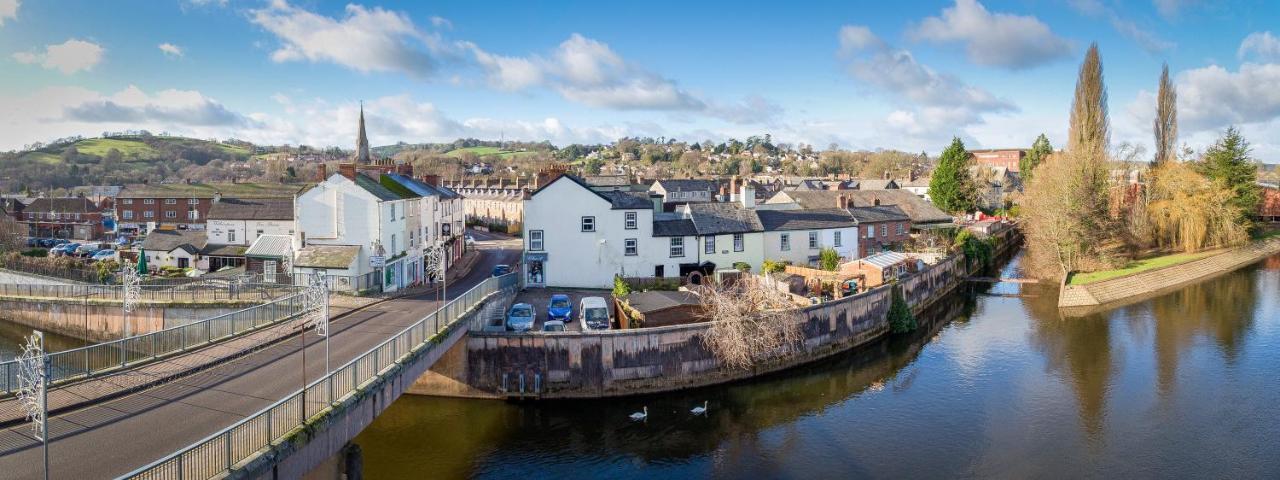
[{"x": 219, "y": 453}]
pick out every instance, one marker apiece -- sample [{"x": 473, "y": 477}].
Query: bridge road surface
[{"x": 115, "y": 437}]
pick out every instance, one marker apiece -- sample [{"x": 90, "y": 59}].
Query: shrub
[
  {"x": 975, "y": 248},
  {"x": 742, "y": 267},
  {"x": 36, "y": 252},
  {"x": 773, "y": 266},
  {"x": 829, "y": 259},
  {"x": 620, "y": 287},
  {"x": 901, "y": 320}
]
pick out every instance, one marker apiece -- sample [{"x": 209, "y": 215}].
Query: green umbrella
[{"x": 142, "y": 262}]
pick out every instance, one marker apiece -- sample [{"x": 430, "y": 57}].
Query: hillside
[
  {"x": 487, "y": 151},
  {"x": 113, "y": 160}
]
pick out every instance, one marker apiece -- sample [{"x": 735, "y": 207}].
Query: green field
[
  {"x": 485, "y": 151},
  {"x": 1137, "y": 266},
  {"x": 128, "y": 148}
]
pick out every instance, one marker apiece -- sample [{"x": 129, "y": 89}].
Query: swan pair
[{"x": 641, "y": 415}]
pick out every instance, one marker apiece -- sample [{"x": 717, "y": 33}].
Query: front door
[{"x": 184, "y": 263}]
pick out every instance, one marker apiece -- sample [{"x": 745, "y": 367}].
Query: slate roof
[
  {"x": 681, "y": 227},
  {"x": 688, "y": 185},
  {"x": 883, "y": 213},
  {"x": 413, "y": 185},
  {"x": 252, "y": 209},
  {"x": 62, "y": 205},
  {"x": 920, "y": 211},
  {"x": 877, "y": 184},
  {"x": 192, "y": 241},
  {"x": 628, "y": 200},
  {"x": 327, "y": 256},
  {"x": 607, "y": 180},
  {"x": 369, "y": 184},
  {"x": 271, "y": 246},
  {"x": 720, "y": 218},
  {"x": 657, "y": 300},
  {"x": 806, "y": 219}
]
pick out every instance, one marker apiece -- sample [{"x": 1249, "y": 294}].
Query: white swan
[
  {"x": 638, "y": 416},
  {"x": 700, "y": 410}
]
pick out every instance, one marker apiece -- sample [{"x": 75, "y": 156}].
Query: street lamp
[
  {"x": 131, "y": 285},
  {"x": 33, "y": 390}
]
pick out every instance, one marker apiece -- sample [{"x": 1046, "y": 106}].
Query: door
[{"x": 184, "y": 263}]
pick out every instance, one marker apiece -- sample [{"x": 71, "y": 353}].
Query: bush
[
  {"x": 742, "y": 267},
  {"x": 620, "y": 287},
  {"x": 774, "y": 266},
  {"x": 901, "y": 320},
  {"x": 829, "y": 259},
  {"x": 975, "y": 248},
  {"x": 36, "y": 252}
]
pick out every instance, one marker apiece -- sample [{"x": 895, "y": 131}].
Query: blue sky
[{"x": 907, "y": 75}]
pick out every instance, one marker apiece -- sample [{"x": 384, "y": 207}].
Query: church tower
[{"x": 362, "y": 142}]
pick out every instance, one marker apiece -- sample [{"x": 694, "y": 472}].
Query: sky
[{"x": 862, "y": 75}]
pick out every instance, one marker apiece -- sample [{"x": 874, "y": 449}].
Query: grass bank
[{"x": 1137, "y": 266}]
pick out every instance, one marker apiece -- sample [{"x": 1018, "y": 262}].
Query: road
[{"x": 118, "y": 436}]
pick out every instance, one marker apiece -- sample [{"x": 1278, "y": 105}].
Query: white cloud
[
  {"x": 1145, "y": 39},
  {"x": 170, "y": 49},
  {"x": 8, "y": 10},
  {"x": 174, "y": 108},
  {"x": 1262, "y": 45},
  {"x": 932, "y": 106},
  {"x": 68, "y": 57},
  {"x": 999, "y": 39},
  {"x": 441, "y": 22},
  {"x": 1170, "y": 8},
  {"x": 367, "y": 40}
]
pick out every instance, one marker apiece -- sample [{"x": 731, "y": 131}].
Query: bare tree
[
  {"x": 751, "y": 322},
  {"x": 1166, "y": 122}
]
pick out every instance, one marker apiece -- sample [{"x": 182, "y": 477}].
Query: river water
[{"x": 996, "y": 384}]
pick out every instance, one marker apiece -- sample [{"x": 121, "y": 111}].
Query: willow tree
[
  {"x": 1166, "y": 122},
  {"x": 1067, "y": 205},
  {"x": 1191, "y": 212}
]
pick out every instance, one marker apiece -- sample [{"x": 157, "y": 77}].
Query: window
[
  {"x": 836, "y": 240},
  {"x": 630, "y": 247},
  {"x": 393, "y": 212},
  {"x": 709, "y": 245},
  {"x": 535, "y": 240},
  {"x": 677, "y": 247},
  {"x": 170, "y": 201},
  {"x": 631, "y": 220},
  {"x": 394, "y": 251},
  {"x": 258, "y": 234},
  {"x": 813, "y": 240},
  {"x": 127, "y": 201},
  {"x": 737, "y": 242},
  {"x": 193, "y": 201},
  {"x": 659, "y": 271},
  {"x": 148, "y": 201},
  {"x": 231, "y": 235},
  {"x": 128, "y": 214},
  {"x": 588, "y": 224},
  {"x": 148, "y": 214},
  {"x": 269, "y": 270},
  {"x": 170, "y": 214},
  {"x": 884, "y": 230},
  {"x": 900, "y": 227},
  {"x": 193, "y": 215},
  {"x": 871, "y": 231},
  {"x": 785, "y": 242}
]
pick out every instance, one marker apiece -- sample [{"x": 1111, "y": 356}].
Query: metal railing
[
  {"x": 218, "y": 453},
  {"x": 206, "y": 290},
  {"x": 85, "y": 362}
]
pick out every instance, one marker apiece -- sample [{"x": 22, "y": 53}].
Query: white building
[
  {"x": 798, "y": 236},
  {"x": 353, "y": 209},
  {"x": 240, "y": 221},
  {"x": 174, "y": 248}
]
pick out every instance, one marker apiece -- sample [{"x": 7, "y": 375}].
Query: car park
[
  {"x": 520, "y": 318},
  {"x": 86, "y": 250},
  {"x": 594, "y": 314},
  {"x": 500, "y": 270},
  {"x": 560, "y": 308},
  {"x": 64, "y": 249}
]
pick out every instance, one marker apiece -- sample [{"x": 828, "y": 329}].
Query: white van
[{"x": 594, "y": 314}]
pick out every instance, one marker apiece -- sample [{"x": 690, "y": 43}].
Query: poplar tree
[
  {"x": 952, "y": 187},
  {"x": 1166, "y": 122}
]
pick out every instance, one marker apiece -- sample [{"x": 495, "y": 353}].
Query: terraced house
[{"x": 185, "y": 206}]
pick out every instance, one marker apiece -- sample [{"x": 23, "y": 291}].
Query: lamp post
[
  {"x": 131, "y": 285},
  {"x": 33, "y": 390}
]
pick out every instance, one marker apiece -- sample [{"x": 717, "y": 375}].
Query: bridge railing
[
  {"x": 220, "y": 452},
  {"x": 201, "y": 291},
  {"x": 85, "y": 362}
]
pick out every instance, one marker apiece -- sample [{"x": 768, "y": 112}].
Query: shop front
[{"x": 534, "y": 269}]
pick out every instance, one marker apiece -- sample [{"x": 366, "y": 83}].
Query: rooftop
[
  {"x": 192, "y": 241},
  {"x": 728, "y": 217},
  {"x": 62, "y": 205},
  {"x": 327, "y": 256},
  {"x": 883, "y": 213},
  {"x": 806, "y": 219},
  {"x": 274, "y": 246},
  {"x": 252, "y": 209},
  {"x": 656, "y": 300}
]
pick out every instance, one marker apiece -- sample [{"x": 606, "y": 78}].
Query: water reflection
[
  {"x": 13, "y": 336},
  {"x": 996, "y": 384}
]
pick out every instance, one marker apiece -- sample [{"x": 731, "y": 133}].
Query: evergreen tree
[
  {"x": 1040, "y": 150},
  {"x": 952, "y": 187},
  {"x": 1228, "y": 163}
]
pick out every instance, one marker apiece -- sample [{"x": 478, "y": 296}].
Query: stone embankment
[{"x": 1078, "y": 300}]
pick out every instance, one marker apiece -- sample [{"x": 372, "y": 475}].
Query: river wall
[
  {"x": 1076, "y": 300},
  {"x": 99, "y": 321},
  {"x": 651, "y": 360}
]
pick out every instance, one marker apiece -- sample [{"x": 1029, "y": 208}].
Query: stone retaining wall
[
  {"x": 1083, "y": 299},
  {"x": 98, "y": 321}
]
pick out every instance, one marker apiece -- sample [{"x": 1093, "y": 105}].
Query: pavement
[{"x": 112, "y": 438}]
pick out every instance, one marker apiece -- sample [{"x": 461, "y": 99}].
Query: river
[{"x": 995, "y": 384}]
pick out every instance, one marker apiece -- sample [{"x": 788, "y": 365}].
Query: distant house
[
  {"x": 1269, "y": 207},
  {"x": 798, "y": 236},
  {"x": 1006, "y": 157},
  {"x": 880, "y": 228},
  {"x": 917, "y": 185},
  {"x": 185, "y": 206},
  {"x": 877, "y": 184},
  {"x": 684, "y": 191},
  {"x": 174, "y": 248},
  {"x": 67, "y": 217},
  {"x": 923, "y": 214},
  {"x": 240, "y": 221}
]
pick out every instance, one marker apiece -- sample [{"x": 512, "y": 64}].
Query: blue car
[
  {"x": 501, "y": 270},
  {"x": 64, "y": 249},
  {"x": 560, "y": 308},
  {"x": 106, "y": 254},
  {"x": 520, "y": 317}
]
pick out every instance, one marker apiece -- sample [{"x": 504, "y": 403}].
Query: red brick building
[
  {"x": 75, "y": 217},
  {"x": 881, "y": 228},
  {"x": 1009, "y": 157},
  {"x": 1269, "y": 207},
  {"x": 185, "y": 206}
]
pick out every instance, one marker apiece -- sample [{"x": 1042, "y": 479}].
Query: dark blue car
[
  {"x": 560, "y": 308},
  {"x": 501, "y": 270}
]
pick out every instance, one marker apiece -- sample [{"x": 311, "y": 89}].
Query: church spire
[{"x": 362, "y": 142}]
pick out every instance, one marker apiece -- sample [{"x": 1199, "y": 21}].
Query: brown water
[{"x": 1184, "y": 385}]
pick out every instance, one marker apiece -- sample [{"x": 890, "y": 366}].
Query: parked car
[
  {"x": 560, "y": 308},
  {"x": 101, "y": 255},
  {"x": 86, "y": 250},
  {"x": 470, "y": 240},
  {"x": 500, "y": 270},
  {"x": 33, "y": 242},
  {"x": 595, "y": 314},
  {"x": 553, "y": 326},
  {"x": 520, "y": 317},
  {"x": 64, "y": 249}
]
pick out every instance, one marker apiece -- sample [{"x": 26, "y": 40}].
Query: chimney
[
  {"x": 347, "y": 170},
  {"x": 405, "y": 169},
  {"x": 217, "y": 196},
  {"x": 433, "y": 180},
  {"x": 733, "y": 189},
  {"x": 323, "y": 170},
  {"x": 657, "y": 202},
  {"x": 747, "y": 196},
  {"x": 841, "y": 201}
]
